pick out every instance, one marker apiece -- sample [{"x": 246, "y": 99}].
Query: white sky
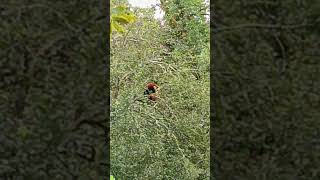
[
  {"x": 149, "y": 3},
  {"x": 143, "y": 3}
]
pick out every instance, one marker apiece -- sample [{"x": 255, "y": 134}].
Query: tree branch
[{"x": 258, "y": 26}]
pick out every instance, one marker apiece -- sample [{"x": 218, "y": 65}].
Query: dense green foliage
[
  {"x": 266, "y": 61},
  {"x": 120, "y": 15},
  {"x": 52, "y": 89},
  {"x": 188, "y": 31},
  {"x": 168, "y": 139}
]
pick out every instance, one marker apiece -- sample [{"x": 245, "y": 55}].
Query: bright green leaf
[
  {"x": 112, "y": 178},
  {"x": 117, "y": 27},
  {"x": 124, "y": 18}
]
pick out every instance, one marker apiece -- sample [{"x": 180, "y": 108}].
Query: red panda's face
[{"x": 152, "y": 86}]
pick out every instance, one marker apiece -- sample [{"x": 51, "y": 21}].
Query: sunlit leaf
[
  {"x": 121, "y": 16},
  {"x": 112, "y": 178},
  {"x": 124, "y": 18},
  {"x": 117, "y": 27}
]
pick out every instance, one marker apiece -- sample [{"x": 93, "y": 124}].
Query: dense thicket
[
  {"x": 52, "y": 89},
  {"x": 169, "y": 139},
  {"x": 266, "y": 77}
]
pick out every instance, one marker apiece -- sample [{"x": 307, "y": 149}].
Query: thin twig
[{"x": 268, "y": 26}]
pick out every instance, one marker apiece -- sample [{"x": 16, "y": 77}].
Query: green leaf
[
  {"x": 116, "y": 26},
  {"x": 124, "y": 18},
  {"x": 121, "y": 16},
  {"x": 112, "y": 178}
]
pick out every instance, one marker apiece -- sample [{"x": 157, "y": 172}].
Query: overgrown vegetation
[
  {"x": 266, "y": 61},
  {"x": 168, "y": 139},
  {"x": 52, "y": 89}
]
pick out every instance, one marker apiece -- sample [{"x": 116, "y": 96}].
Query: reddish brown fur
[
  {"x": 151, "y": 85},
  {"x": 153, "y": 97}
]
